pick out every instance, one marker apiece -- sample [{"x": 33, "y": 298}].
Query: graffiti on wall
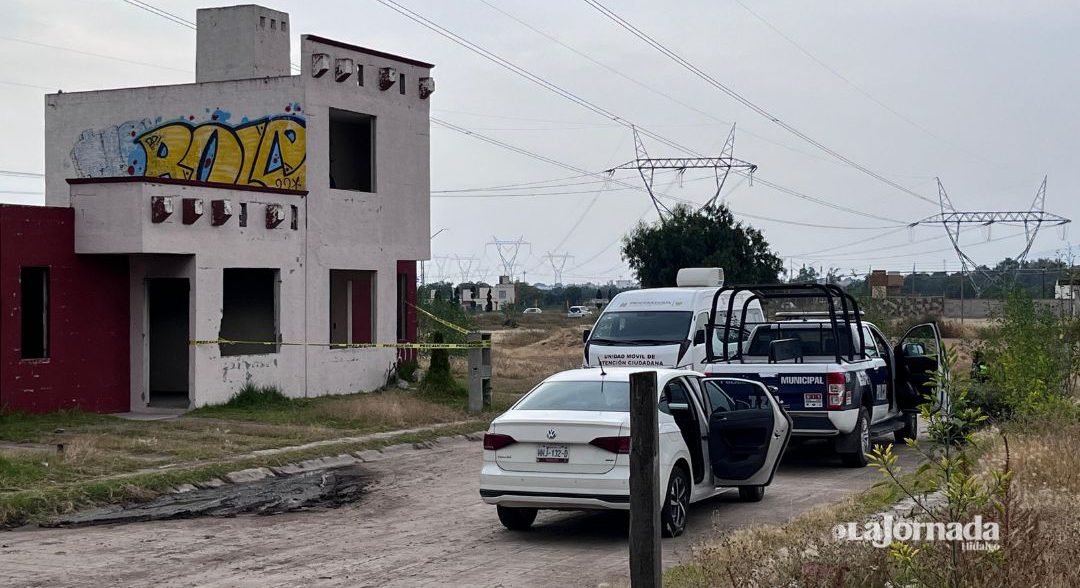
[{"x": 266, "y": 151}]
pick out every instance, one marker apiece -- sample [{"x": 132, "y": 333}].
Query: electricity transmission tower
[
  {"x": 558, "y": 263},
  {"x": 1032, "y": 220},
  {"x": 440, "y": 266},
  {"x": 465, "y": 267},
  {"x": 646, "y": 167},
  {"x": 508, "y": 252}
]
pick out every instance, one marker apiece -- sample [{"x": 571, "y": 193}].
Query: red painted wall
[
  {"x": 88, "y": 364},
  {"x": 362, "y": 319},
  {"x": 407, "y": 273}
]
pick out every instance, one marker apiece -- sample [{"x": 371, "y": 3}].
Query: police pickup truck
[{"x": 836, "y": 375}]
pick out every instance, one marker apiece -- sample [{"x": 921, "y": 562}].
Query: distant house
[{"x": 1067, "y": 289}]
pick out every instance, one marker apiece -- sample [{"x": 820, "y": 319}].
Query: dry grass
[
  {"x": 389, "y": 411},
  {"x": 1039, "y": 531}
]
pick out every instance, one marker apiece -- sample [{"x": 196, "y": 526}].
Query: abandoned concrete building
[{"x": 284, "y": 211}]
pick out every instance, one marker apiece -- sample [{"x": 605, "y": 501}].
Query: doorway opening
[{"x": 167, "y": 342}]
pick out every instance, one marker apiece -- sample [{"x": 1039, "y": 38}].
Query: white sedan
[{"x": 565, "y": 445}]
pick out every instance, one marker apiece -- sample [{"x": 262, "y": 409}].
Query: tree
[{"x": 709, "y": 237}]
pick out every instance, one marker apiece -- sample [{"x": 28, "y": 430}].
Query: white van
[{"x": 665, "y": 327}]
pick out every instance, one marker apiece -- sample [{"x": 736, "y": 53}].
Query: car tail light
[
  {"x": 612, "y": 444},
  {"x": 497, "y": 440},
  {"x": 837, "y": 394}
]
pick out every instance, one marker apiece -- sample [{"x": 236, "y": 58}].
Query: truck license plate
[
  {"x": 552, "y": 454},
  {"x": 812, "y": 400}
]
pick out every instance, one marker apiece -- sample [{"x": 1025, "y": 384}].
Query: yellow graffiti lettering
[{"x": 270, "y": 151}]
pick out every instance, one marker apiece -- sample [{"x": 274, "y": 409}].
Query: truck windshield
[{"x": 647, "y": 327}]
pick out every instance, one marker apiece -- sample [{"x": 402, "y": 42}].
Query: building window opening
[
  {"x": 243, "y": 214},
  {"x": 249, "y": 311},
  {"x": 401, "y": 84},
  {"x": 34, "y": 302},
  {"x": 360, "y": 75},
  {"x": 352, "y": 151},
  {"x": 352, "y": 306}
]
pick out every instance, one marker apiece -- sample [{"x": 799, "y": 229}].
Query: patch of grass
[{"x": 21, "y": 427}]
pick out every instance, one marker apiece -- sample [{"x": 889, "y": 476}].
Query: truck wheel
[
  {"x": 910, "y": 430},
  {"x": 516, "y": 519},
  {"x": 751, "y": 493},
  {"x": 862, "y": 433}
]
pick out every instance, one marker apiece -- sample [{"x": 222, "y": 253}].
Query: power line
[
  {"x": 162, "y": 13},
  {"x": 174, "y": 18},
  {"x": 419, "y": 19},
  {"x": 746, "y": 102},
  {"x": 21, "y": 174},
  {"x": 91, "y": 54},
  {"x": 855, "y": 86},
  {"x": 646, "y": 86}
]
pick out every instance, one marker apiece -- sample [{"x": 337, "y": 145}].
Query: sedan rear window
[{"x": 589, "y": 396}]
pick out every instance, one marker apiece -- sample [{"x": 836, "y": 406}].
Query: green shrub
[
  {"x": 254, "y": 396},
  {"x": 406, "y": 370},
  {"x": 439, "y": 381},
  {"x": 1032, "y": 358}
]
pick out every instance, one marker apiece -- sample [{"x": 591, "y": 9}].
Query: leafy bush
[
  {"x": 439, "y": 381},
  {"x": 406, "y": 370},
  {"x": 1032, "y": 357}
]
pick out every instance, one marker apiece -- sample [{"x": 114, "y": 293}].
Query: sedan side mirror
[{"x": 585, "y": 335}]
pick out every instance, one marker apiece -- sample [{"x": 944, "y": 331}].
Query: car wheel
[
  {"x": 910, "y": 430},
  {"x": 751, "y": 493},
  {"x": 676, "y": 504},
  {"x": 516, "y": 519},
  {"x": 862, "y": 433}
]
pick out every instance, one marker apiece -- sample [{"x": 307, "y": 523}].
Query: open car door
[
  {"x": 918, "y": 355},
  {"x": 748, "y": 432}
]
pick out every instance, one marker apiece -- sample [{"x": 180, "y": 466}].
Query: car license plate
[
  {"x": 812, "y": 400},
  {"x": 552, "y": 454}
]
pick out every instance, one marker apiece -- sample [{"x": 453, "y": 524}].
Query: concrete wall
[
  {"x": 239, "y": 42},
  {"x": 88, "y": 315},
  {"x": 361, "y": 230},
  {"x": 165, "y": 131},
  {"x": 981, "y": 309}
]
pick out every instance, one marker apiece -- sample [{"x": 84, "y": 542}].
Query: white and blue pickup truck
[{"x": 838, "y": 377}]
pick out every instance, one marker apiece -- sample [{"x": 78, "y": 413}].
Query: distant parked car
[
  {"x": 578, "y": 312},
  {"x": 532, "y": 310}
]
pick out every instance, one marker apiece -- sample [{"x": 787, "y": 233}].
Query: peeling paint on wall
[{"x": 267, "y": 151}]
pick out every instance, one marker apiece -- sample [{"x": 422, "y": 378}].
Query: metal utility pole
[
  {"x": 1032, "y": 220},
  {"x": 508, "y": 252},
  {"x": 646, "y": 167},
  {"x": 558, "y": 263}
]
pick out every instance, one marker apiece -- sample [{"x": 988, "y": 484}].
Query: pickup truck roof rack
[{"x": 842, "y": 310}]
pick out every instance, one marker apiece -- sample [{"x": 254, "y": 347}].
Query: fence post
[
  {"x": 479, "y": 370},
  {"x": 645, "y": 564}
]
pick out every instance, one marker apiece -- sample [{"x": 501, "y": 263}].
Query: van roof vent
[{"x": 700, "y": 276}]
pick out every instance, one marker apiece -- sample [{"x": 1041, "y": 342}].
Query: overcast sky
[{"x": 981, "y": 93}]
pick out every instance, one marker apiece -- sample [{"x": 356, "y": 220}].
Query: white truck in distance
[{"x": 662, "y": 327}]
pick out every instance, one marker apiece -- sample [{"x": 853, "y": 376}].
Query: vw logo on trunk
[{"x": 551, "y": 433}]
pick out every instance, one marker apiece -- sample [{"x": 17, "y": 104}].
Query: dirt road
[{"x": 422, "y": 524}]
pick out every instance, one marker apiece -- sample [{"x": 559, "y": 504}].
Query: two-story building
[{"x": 240, "y": 228}]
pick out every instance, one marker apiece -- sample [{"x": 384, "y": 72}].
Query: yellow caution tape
[
  {"x": 443, "y": 321},
  {"x": 476, "y": 345}
]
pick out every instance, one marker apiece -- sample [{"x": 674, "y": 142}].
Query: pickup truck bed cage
[{"x": 843, "y": 312}]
